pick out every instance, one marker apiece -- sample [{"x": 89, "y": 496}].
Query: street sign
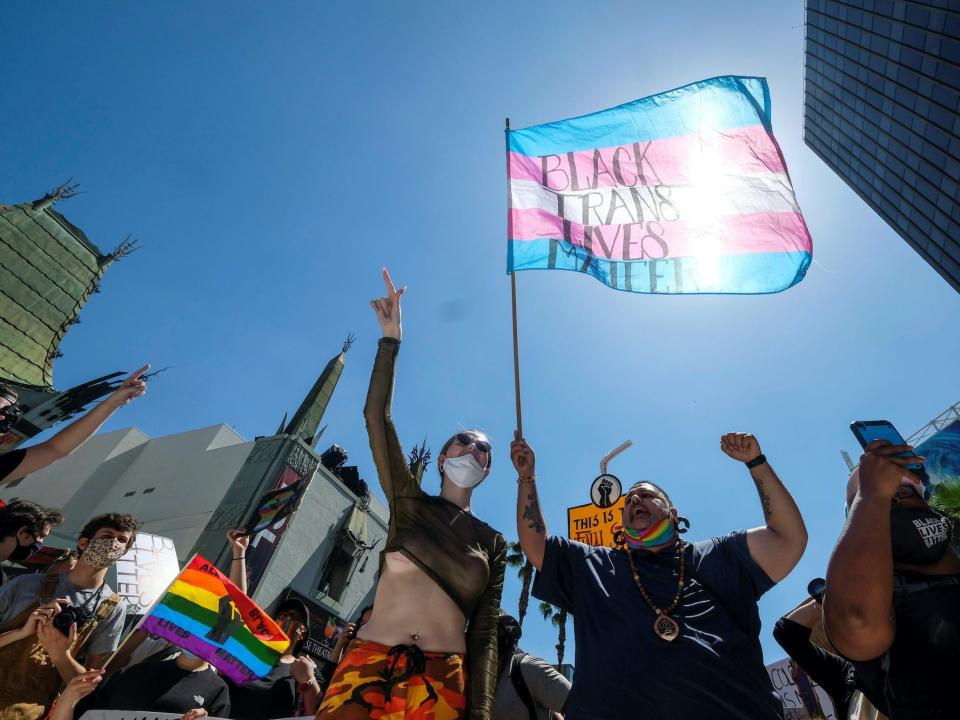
[{"x": 606, "y": 490}]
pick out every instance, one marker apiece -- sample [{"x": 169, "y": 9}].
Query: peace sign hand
[
  {"x": 387, "y": 309},
  {"x": 132, "y": 387}
]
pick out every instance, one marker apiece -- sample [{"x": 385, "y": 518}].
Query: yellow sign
[{"x": 593, "y": 525}]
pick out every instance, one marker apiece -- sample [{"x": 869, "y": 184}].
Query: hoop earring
[
  {"x": 618, "y": 540},
  {"x": 686, "y": 525}
]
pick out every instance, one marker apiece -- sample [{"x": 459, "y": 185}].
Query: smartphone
[{"x": 866, "y": 431}]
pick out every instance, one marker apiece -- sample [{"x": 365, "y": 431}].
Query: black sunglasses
[{"x": 466, "y": 439}]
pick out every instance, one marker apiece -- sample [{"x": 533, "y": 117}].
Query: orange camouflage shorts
[{"x": 395, "y": 683}]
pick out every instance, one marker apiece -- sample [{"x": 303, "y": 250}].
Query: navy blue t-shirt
[{"x": 713, "y": 670}]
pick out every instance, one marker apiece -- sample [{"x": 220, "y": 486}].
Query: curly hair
[
  {"x": 24, "y": 513},
  {"x": 123, "y": 522}
]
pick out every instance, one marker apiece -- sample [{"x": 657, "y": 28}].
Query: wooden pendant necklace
[{"x": 664, "y": 626}]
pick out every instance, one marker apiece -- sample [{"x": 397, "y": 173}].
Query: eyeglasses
[{"x": 466, "y": 439}]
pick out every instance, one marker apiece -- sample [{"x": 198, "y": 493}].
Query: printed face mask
[
  {"x": 463, "y": 471},
  {"x": 920, "y": 536},
  {"x": 103, "y": 552}
]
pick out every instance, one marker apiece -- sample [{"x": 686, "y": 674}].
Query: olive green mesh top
[{"x": 463, "y": 555}]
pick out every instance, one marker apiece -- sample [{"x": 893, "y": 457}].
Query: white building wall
[
  {"x": 173, "y": 485},
  {"x": 189, "y": 473}
]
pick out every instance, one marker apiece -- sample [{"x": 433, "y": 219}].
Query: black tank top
[{"x": 917, "y": 676}]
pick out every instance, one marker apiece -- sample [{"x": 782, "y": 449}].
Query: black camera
[
  {"x": 9, "y": 417},
  {"x": 816, "y": 588},
  {"x": 69, "y": 615}
]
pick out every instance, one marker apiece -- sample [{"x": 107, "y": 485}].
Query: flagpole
[{"x": 513, "y": 292}]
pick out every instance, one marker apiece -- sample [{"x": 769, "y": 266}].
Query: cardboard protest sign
[
  {"x": 595, "y": 525},
  {"x": 792, "y": 685},
  {"x": 145, "y": 571}
]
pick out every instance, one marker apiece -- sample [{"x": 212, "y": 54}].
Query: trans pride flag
[
  {"x": 683, "y": 192},
  {"x": 206, "y": 614}
]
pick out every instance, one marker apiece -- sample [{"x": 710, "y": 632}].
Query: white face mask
[{"x": 463, "y": 471}]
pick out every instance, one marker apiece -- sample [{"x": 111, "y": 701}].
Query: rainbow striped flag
[
  {"x": 206, "y": 614},
  {"x": 684, "y": 192}
]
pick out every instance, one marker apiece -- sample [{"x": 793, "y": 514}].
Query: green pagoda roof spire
[
  {"x": 307, "y": 418},
  {"x": 49, "y": 270}
]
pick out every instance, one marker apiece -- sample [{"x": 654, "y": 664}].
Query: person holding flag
[
  {"x": 441, "y": 571},
  {"x": 679, "y": 619},
  {"x": 291, "y": 687}
]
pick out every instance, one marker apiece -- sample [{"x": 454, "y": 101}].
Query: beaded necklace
[{"x": 664, "y": 626}]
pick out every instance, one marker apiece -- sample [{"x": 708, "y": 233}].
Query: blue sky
[{"x": 271, "y": 157}]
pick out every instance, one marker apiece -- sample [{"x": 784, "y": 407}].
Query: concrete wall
[{"x": 308, "y": 540}]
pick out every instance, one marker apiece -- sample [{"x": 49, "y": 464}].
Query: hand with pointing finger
[
  {"x": 132, "y": 387},
  {"x": 387, "y": 309}
]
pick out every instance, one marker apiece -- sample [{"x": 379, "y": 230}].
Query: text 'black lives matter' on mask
[
  {"x": 920, "y": 536},
  {"x": 103, "y": 552}
]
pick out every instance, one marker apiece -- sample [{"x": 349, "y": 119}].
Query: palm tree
[
  {"x": 558, "y": 618},
  {"x": 946, "y": 499},
  {"x": 516, "y": 559}
]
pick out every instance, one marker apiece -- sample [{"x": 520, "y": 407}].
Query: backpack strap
[
  {"x": 103, "y": 612},
  {"x": 48, "y": 588},
  {"x": 520, "y": 685},
  {"x": 107, "y": 607}
]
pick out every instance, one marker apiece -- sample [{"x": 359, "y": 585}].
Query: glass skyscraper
[{"x": 882, "y": 109}]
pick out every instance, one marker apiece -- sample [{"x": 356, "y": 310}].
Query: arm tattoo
[
  {"x": 531, "y": 512},
  {"x": 764, "y": 499}
]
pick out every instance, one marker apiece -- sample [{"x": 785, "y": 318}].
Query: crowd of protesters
[{"x": 664, "y": 627}]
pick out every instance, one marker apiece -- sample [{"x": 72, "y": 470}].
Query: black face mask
[
  {"x": 9, "y": 417},
  {"x": 22, "y": 552},
  {"x": 920, "y": 535}
]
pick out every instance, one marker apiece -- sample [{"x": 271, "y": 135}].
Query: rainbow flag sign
[
  {"x": 684, "y": 192},
  {"x": 206, "y": 614},
  {"x": 275, "y": 505}
]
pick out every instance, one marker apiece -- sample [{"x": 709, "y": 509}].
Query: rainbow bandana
[{"x": 654, "y": 536}]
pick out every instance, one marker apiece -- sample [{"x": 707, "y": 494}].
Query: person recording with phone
[
  {"x": 892, "y": 600},
  {"x": 58, "y": 626}
]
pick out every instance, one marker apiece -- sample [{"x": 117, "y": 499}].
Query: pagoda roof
[{"x": 48, "y": 269}]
